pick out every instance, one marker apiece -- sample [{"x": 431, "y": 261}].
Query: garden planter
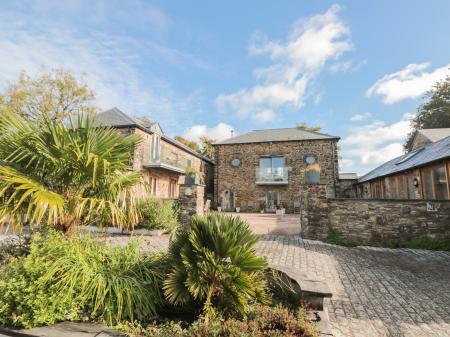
[
  {"x": 219, "y": 209},
  {"x": 238, "y": 209}
]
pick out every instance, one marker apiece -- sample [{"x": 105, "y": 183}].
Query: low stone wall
[{"x": 365, "y": 221}]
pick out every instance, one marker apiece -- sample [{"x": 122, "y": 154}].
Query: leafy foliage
[
  {"x": 306, "y": 127},
  {"x": 65, "y": 173},
  {"x": 215, "y": 265},
  {"x": 158, "y": 214},
  {"x": 63, "y": 279},
  {"x": 56, "y": 94},
  {"x": 207, "y": 147},
  {"x": 435, "y": 113},
  {"x": 262, "y": 321},
  {"x": 189, "y": 143},
  {"x": 13, "y": 247}
]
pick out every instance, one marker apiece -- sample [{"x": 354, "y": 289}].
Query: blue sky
[{"x": 358, "y": 69}]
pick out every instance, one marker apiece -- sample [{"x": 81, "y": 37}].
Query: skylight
[{"x": 408, "y": 156}]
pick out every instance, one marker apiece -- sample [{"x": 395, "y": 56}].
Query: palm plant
[
  {"x": 215, "y": 265},
  {"x": 64, "y": 173}
]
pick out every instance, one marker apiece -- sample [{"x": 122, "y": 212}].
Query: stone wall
[
  {"x": 191, "y": 202},
  {"x": 241, "y": 180},
  {"x": 346, "y": 188},
  {"x": 365, "y": 221}
]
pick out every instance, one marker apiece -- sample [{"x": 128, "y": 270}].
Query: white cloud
[
  {"x": 219, "y": 132},
  {"x": 347, "y": 66},
  {"x": 361, "y": 117},
  {"x": 111, "y": 64},
  {"x": 370, "y": 145},
  {"x": 411, "y": 82},
  {"x": 311, "y": 43}
]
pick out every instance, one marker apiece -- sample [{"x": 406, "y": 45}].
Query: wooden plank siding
[{"x": 399, "y": 185}]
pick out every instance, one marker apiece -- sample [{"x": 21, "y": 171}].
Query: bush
[
  {"x": 71, "y": 279},
  {"x": 215, "y": 265},
  {"x": 158, "y": 214},
  {"x": 262, "y": 321}
]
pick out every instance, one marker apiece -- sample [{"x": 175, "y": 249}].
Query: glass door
[{"x": 272, "y": 201}]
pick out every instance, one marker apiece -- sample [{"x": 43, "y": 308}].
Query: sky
[{"x": 358, "y": 69}]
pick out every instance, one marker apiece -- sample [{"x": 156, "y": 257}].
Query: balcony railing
[{"x": 272, "y": 176}]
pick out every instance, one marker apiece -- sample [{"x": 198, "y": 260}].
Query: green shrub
[
  {"x": 64, "y": 279},
  {"x": 158, "y": 214},
  {"x": 262, "y": 321},
  {"x": 215, "y": 264}
]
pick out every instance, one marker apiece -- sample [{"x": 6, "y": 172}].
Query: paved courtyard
[{"x": 376, "y": 292}]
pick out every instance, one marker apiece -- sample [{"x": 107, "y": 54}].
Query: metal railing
[{"x": 274, "y": 175}]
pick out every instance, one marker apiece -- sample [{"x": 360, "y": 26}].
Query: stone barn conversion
[{"x": 266, "y": 169}]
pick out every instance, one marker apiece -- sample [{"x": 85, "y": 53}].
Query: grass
[{"x": 439, "y": 242}]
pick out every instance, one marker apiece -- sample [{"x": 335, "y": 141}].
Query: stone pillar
[
  {"x": 191, "y": 202},
  {"x": 314, "y": 211}
]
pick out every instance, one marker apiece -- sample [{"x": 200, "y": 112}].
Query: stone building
[
  {"x": 166, "y": 163},
  {"x": 266, "y": 169}
]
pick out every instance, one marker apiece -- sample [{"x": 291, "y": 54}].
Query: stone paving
[{"x": 377, "y": 292}]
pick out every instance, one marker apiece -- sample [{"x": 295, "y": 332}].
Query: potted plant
[
  {"x": 283, "y": 209},
  {"x": 219, "y": 207},
  {"x": 192, "y": 178},
  {"x": 262, "y": 206},
  {"x": 279, "y": 212},
  {"x": 238, "y": 206}
]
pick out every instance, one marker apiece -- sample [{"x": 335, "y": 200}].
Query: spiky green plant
[
  {"x": 215, "y": 265},
  {"x": 79, "y": 278},
  {"x": 65, "y": 173}
]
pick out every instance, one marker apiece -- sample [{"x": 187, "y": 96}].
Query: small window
[
  {"x": 440, "y": 183},
  {"x": 411, "y": 187},
  {"x": 312, "y": 174}
]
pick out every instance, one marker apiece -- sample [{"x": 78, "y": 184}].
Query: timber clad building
[
  {"x": 163, "y": 160},
  {"x": 423, "y": 173}
]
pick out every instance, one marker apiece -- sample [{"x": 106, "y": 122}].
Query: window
[
  {"x": 153, "y": 184},
  {"x": 312, "y": 175},
  {"x": 272, "y": 166},
  {"x": 156, "y": 148},
  {"x": 411, "y": 187},
  {"x": 440, "y": 183}
]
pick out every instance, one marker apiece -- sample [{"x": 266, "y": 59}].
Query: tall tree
[
  {"x": 207, "y": 146},
  {"x": 57, "y": 94},
  {"x": 435, "y": 113},
  {"x": 306, "y": 127}
]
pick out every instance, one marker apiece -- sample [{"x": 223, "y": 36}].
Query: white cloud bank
[
  {"x": 360, "y": 117},
  {"x": 411, "y": 82},
  {"x": 111, "y": 63},
  {"x": 295, "y": 63},
  {"x": 370, "y": 145},
  {"x": 219, "y": 132}
]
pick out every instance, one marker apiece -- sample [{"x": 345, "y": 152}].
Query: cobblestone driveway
[{"x": 376, "y": 292}]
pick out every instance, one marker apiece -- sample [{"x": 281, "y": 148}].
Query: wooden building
[{"x": 423, "y": 173}]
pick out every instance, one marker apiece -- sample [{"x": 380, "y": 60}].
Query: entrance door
[{"x": 272, "y": 201}]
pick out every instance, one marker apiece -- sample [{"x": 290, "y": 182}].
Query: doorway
[{"x": 272, "y": 201}]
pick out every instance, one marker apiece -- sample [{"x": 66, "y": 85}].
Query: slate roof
[
  {"x": 275, "y": 135},
  {"x": 429, "y": 153},
  {"x": 348, "y": 176},
  {"x": 435, "y": 134},
  {"x": 116, "y": 118}
]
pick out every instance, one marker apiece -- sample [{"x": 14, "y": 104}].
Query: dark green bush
[
  {"x": 215, "y": 265},
  {"x": 158, "y": 214},
  {"x": 71, "y": 279},
  {"x": 262, "y": 321}
]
